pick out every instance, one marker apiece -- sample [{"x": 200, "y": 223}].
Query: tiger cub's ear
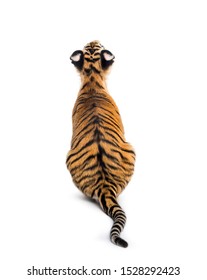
[
  {"x": 107, "y": 58},
  {"x": 77, "y": 59}
]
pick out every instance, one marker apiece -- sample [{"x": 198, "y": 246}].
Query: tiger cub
[{"x": 100, "y": 161}]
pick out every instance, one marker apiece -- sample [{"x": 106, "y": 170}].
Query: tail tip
[{"x": 121, "y": 242}]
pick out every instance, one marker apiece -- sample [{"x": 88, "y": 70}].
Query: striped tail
[{"x": 110, "y": 206}]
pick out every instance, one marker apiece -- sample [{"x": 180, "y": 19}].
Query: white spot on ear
[
  {"x": 75, "y": 57},
  {"x": 108, "y": 56}
]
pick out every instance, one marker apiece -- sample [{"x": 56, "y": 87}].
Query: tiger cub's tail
[{"x": 110, "y": 206}]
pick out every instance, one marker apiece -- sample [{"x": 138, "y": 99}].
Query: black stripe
[
  {"x": 109, "y": 111},
  {"x": 119, "y": 180},
  {"x": 119, "y": 212},
  {"x": 112, "y": 209},
  {"x": 83, "y": 164},
  {"x": 103, "y": 203},
  {"x": 109, "y": 142},
  {"x": 76, "y": 141},
  {"x": 83, "y": 178},
  {"x": 86, "y": 84},
  {"x": 114, "y": 159},
  {"x": 88, "y": 59},
  {"x": 101, "y": 96},
  {"x": 95, "y": 70},
  {"x": 99, "y": 193},
  {"x": 96, "y": 55},
  {"x": 78, "y": 158},
  {"x": 88, "y": 159},
  {"x": 128, "y": 163},
  {"x": 117, "y": 227},
  {"x": 96, "y": 120},
  {"x": 118, "y": 152},
  {"x": 111, "y": 182},
  {"x": 100, "y": 157},
  {"x": 108, "y": 116},
  {"x": 74, "y": 154},
  {"x": 91, "y": 168},
  {"x": 110, "y": 193},
  {"x": 98, "y": 186},
  {"x": 101, "y": 149},
  {"x": 75, "y": 145},
  {"x": 111, "y": 166},
  {"x": 87, "y": 71},
  {"x": 114, "y": 132},
  {"x": 88, "y": 185},
  {"x": 113, "y": 199},
  {"x": 81, "y": 100},
  {"x": 83, "y": 147},
  {"x": 92, "y": 59},
  {"x": 94, "y": 95},
  {"x": 128, "y": 151},
  {"x": 84, "y": 116},
  {"x": 112, "y": 136},
  {"x": 110, "y": 121},
  {"x": 99, "y": 85}
]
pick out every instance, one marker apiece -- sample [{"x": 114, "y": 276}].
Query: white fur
[
  {"x": 108, "y": 56},
  {"x": 76, "y": 57}
]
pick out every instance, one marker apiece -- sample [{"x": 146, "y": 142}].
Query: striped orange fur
[{"x": 100, "y": 161}]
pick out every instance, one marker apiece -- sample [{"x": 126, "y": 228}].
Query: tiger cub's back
[{"x": 100, "y": 161}]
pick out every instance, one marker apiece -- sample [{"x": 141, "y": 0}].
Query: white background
[{"x": 159, "y": 83}]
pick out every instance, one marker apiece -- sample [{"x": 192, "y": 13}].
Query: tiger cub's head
[{"x": 94, "y": 58}]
